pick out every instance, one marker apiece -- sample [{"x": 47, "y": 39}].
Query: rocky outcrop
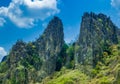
[
  {"x": 97, "y": 33},
  {"x": 50, "y": 44},
  {"x": 31, "y": 62}
]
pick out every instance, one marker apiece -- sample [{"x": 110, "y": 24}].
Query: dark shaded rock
[{"x": 4, "y": 58}]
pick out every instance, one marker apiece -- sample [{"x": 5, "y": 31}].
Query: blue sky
[{"x": 27, "y": 19}]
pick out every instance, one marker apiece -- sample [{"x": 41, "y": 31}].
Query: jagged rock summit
[
  {"x": 90, "y": 58},
  {"x": 97, "y": 33},
  {"x": 31, "y": 62},
  {"x": 50, "y": 44}
]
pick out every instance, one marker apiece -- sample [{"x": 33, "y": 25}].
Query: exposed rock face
[
  {"x": 31, "y": 62},
  {"x": 97, "y": 33},
  {"x": 17, "y": 53},
  {"x": 50, "y": 44}
]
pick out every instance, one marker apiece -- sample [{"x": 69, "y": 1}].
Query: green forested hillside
[
  {"x": 106, "y": 72},
  {"x": 94, "y": 58}
]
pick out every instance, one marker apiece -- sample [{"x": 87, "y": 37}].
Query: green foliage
[
  {"x": 67, "y": 77},
  {"x": 117, "y": 76},
  {"x": 94, "y": 72},
  {"x": 13, "y": 80},
  {"x": 3, "y": 67},
  {"x": 99, "y": 59},
  {"x": 100, "y": 20},
  {"x": 106, "y": 48},
  {"x": 66, "y": 57},
  {"x": 58, "y": 64},
  {"x": 104, "y": 80},
  {"x": 33, "y": 61},
  {"x": 32, "y": 58},
  {"x": 31, "y": 49},
  {"x": 77, "y": 48},
  {"x": 63, "y": 53},
  {"x": 70, "y": 53},
  {"x": 61, "y": 60}
]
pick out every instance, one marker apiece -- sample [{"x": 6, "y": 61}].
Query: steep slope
[
  {"x": 50, "y": 44},
  {"x": 67, "y": 76},
  {"x": 104, "y": 73},
  {"x": 29, "y": 63},
  {"x": 97, "y": 54},
  {"x": 93, "y": 59},
  {"x": 97, "y": 33}
]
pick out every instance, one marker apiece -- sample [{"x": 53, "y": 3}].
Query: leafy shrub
[
  {"x": 94, "y": 72},
  {"x": 105, "y": 80}
]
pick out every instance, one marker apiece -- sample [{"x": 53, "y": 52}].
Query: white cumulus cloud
[
  {"x": 2, "y": 53},
  {"x": 24, "y": 13}
]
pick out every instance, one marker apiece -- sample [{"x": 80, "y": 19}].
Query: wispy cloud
[
  {"x": 116, "y": 4},
  {"x": 2, "y": 53},
  {"x": 2, "y": 21},
  {"x": 24, "y": 13}
]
